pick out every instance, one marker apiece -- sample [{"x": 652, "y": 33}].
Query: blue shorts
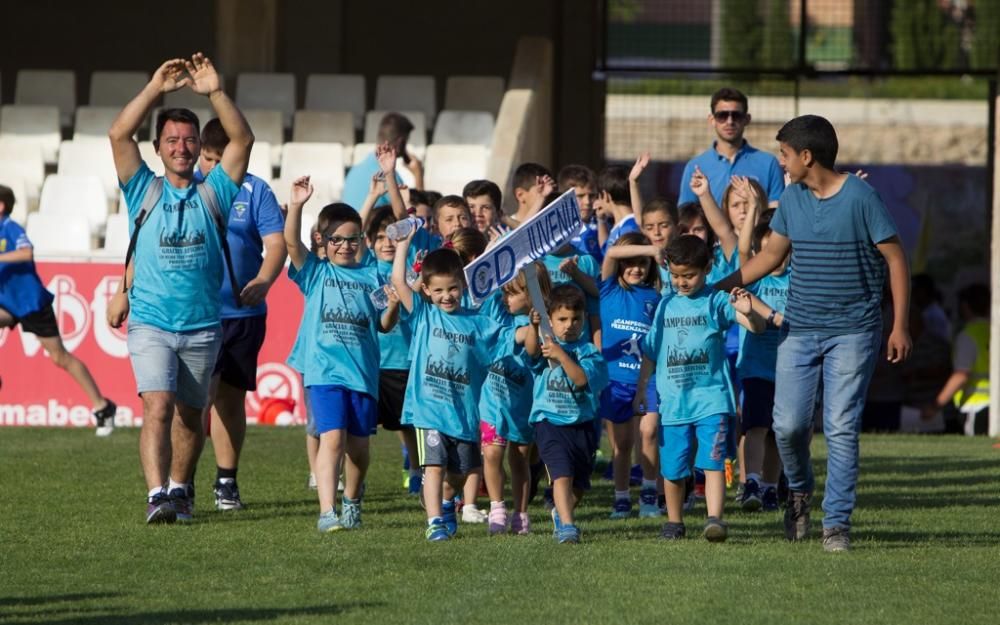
[
  {"x": 338, "y": 408},
  {"x": 616, "y": 401},
  {"x": 177, "y": 362},
  {"x": 676, "y": 442},
  {"x": 568, "y": 450},
  {"x": 758, "y": 404},
  {"x": 310, "y": 417}
]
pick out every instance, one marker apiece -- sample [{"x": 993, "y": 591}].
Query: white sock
[
  {"x": 155, "y": 491},
  {"x": 648, "y": 484},
  {"x": 621, "y": 494},
  {"x": 174, "y": 485},
  {"x": 227, "y": 480},
  {"x": 498, "y": 504}
]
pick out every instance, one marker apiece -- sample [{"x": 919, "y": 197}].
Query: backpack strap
[
  {"x": 149, "y": 201},
  {"x": 211, "y": 202}
]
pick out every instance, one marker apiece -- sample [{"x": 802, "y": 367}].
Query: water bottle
[{"x": 402, "y": 229}]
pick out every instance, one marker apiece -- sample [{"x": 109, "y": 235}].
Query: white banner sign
[{"x": 543, "y": 233}]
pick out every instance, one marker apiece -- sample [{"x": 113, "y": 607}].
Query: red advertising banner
[{"x": 34, "y": 392}]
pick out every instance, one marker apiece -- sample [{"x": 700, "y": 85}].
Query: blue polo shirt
[
  {"x": 21, "y": 291},
  {"x": 837, "y": 273},
  {"x": 359, "y": 176},
  {"x": 749, "y": 162}
]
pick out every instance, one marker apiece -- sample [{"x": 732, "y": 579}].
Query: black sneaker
[
  {"x": 227, "y": 495},
  {"x": 716, "y": 530},
  {"x": 836, "y": 539},
  {"x": 769, "y": 500},
  {"x": 751, "y": 500},
  {"x": 782, "y": 489},
  {"x": 183, "y": 500},
  {"x": 797, "y": 515},
  {"x": 673, "y": 531},
  {"x": 105, "y": 418},
  {"x": 160, "y": 509}
]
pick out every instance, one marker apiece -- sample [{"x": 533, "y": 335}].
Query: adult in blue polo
[{"x": 731, "y": 154}]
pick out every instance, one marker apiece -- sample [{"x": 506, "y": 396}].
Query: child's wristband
[{"x": 770, "y": 318}]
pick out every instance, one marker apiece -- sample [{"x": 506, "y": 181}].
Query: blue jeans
[{"x": 844, "y": 365}]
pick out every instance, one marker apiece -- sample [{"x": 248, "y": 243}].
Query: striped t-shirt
[{"x": 837, "y": 273}]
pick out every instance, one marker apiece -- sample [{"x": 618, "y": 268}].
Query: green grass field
[{"x": 74, "y": 549}]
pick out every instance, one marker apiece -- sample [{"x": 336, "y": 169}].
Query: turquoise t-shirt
[
  {"x": 178, "y": 257},
  {"x": 394, "y": 345},
  {"x": 506, "y": 399},
  {"x": 295, "y": 358},
  {"x": 687, "y": 340},
  {"x": 340, "y": 325},
  {"x": 722, "y": 266},
  {"x": 451, "y": 354},
  {"x": 556, "y": 399},
  {"x": 759, "y": 352},
  {"x": 496, "y": 309}
]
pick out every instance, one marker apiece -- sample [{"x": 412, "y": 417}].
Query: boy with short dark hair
[
  {"x": 565, "y": 407},
  {"x": 451, "y": 350},
  {"x": 841, "y": 240},
  {"x": 25, "y": 301},
  {"x": 614, "y": 205},
  {"x": 485, "y": 203},
  {"x": 532, "y": 183},
  {"x": 581, "y": 180}
]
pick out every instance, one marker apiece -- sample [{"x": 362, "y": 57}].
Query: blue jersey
[
  {"x": 837, "y": 272},
  {"x": 625, "y": 318},
  {"x": 556, "y": 399},
  {"x": 395, "y": 345},
  {"x": 21, "y": 290},
  {"x": 506, "y": 399},
  {"x": 586, "y": 242},
  {"x": 722, "y": 266},
  {"x": 687, "y": 343},
  {"x": 340, "y": 325},
  {"x": 178, "y": 257},
  {"x": 749, "y": 162},
  {"x": 759, "y": 352},
  {"x": 451, "y": 354},
  {"x": 627, "y": 224},
  {"x": 496, "y": 309}
]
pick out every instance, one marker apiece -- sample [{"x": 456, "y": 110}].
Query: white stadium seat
[
  {"x": 261, "y": 163},
  {"x": 115, "y": 88},
  {"x": 116, "y": 235},
  {"x": 325, "y": 127},
  {"x": 474, "y": 93},
  {"x": 71, "y": 195},
  {"x": 337, "y": 92},
  {"x": 418, "y": 136},
  {"x": 267, "y": 91},
  {"x": 23, "y": 159},
  {"x": 17, "y": 186},
  {"x": 184, "y": 98},
  {"x": 94, "y": 158},
  {"x": 464, "y": 128},
  {"x": 449, "y": 167},
  {"x": 323, "y": 162},
  {"x": 398, "y": 93},
  {"x": 93, "y": 122},
  {"x": 48, "y": 87},
  {"x": 267, "y": 128},
  {"x": 58, "y": 234},
  {"x": 37, "y": 124}
]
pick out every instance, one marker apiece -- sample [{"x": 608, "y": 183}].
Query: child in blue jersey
[
  {"x": 630, "y": 292},
  {"x": 613, "y": 206},
  {"x": 504, "y": 409},
  {"x": 581, "y": 179},
  {"x": 685, "y": 347},
  {"x": 452, "y": 348},
  {"x": 341, "y": 353},
  {"x": 568, "y": 381}
]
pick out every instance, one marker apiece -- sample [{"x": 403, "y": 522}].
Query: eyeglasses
[
  {"x": 338, "y": 240},
  {"x": 736, "y": 116}
]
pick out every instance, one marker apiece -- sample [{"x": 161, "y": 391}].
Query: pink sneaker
[
  {"x": 497, "y": 519},
  {"x": 520, "y": 524}
]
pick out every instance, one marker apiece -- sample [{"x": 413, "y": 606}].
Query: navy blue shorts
[
  {"x": 758, "y": 404},
  {"x": 242, "y": 339},
  {"x": 568, "y": 450},
  {"x": 391, "y": 390},
  {"x": 616, "y": 401},
  {"x": 339, "y": 408}
]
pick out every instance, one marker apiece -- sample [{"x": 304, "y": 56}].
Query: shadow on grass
[
  {"x": 16, "y": 602},
  {"x": 194, "y": 616}
]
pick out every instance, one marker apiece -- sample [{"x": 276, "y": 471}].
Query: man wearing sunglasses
[{"x": 731, "y": 154}]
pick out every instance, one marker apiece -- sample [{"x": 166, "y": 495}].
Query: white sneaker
[
  {"x": 472, "y": 514},
  {"x": 311, "y": 482},
  {"x": 105, "y": 418},
  {"x": 105, "y": 430}
]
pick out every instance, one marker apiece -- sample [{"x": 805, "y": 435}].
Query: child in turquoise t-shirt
[
  {"x": 452, "y": 348},
  {"x": 340, "y": 351},
  {"x": 686, "y": 348},
  {"x": 568, "y": 383}
]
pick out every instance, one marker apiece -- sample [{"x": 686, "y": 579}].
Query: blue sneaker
[
  {"x": 448, "y": 517},
  {"x": 406, "y": 458},
  {"x": 415, "y": 485},
  {"x": 329, "y": 521},
  {"x": 622, "y": 509},
  {"x": 769, "y": 500},
  {"x": 160, "y": 509},
  {"x": 648, "y": 506},
  {"x": 568, "y": 534},
  {"x": 436, "y": 530},
  {"x": 183, "y": 499},
  {"x": 556, "y": 523},
  {"x": 350, "y": 514},
  {"x": 751, "y": 501}
]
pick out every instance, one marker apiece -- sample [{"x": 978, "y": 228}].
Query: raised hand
[
  {"x": 740, "y": 299},
  {"x": 699, "y": 183},
  {"x": 377, "y": 185},
  {"x": 386, "y": 156},
  {"x": 170, "y": 76},
  {"x": 640, "y": 165},
  {"x": 204, "y": 78},
  {"x": 568, "y": 266},
  {"x": 302, "y": 190},
  {"x": 742, "y": 186}
]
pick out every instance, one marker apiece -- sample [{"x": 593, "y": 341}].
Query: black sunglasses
[{"x": 736, "y": 116}]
